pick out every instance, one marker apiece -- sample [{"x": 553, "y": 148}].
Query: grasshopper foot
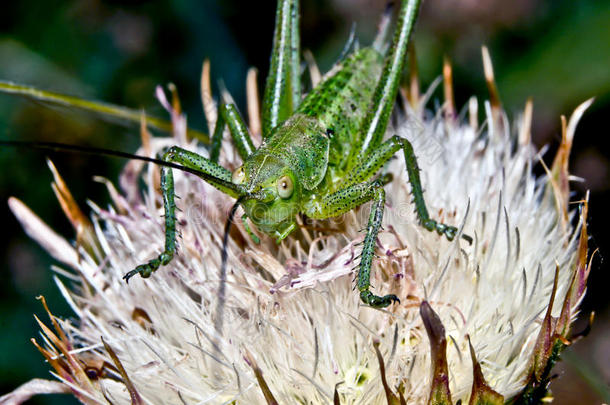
[
  {"x": 442, "y": 229},
  {"x": 376, "y": 301},
  {"x": 448, "y": 231},
  {"x": 145, "y": 270}
]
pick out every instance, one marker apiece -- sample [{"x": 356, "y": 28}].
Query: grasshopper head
[{"x": 273, "y": 195}]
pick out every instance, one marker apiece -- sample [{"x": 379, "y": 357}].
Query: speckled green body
[
  {"x": 339, "y": 105},
  {"x": 320, "y": 155},
  {"x": 316, "y": 141}
]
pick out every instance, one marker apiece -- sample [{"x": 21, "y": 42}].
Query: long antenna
[
  {"x": 91, "y": 150},
  {"x": 62, "y": 147},
  {"x": 223, "y": 268}
]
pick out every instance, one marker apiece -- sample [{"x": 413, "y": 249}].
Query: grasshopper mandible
[{"x": 320, "y": 153}]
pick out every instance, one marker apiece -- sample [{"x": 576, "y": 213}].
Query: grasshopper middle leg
[
  {"x": 379, "y": 157},
  {"x": 354, "y": 192}
]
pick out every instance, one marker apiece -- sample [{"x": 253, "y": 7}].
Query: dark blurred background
[{"x": 556, "y": 51}]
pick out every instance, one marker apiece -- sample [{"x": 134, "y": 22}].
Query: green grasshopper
[{"x": 320, "y": 153}]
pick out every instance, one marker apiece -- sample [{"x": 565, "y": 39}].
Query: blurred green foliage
[{"x": 555, "y": 51}]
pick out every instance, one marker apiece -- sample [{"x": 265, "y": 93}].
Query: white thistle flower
[{"x": 290, "y": 329}]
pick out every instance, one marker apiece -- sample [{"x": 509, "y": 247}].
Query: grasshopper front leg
[
  {"x": 211, "y": 172},
  {"x": 345, "y": 200}
]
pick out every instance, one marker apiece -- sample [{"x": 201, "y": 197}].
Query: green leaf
[{"x": 103, "y": 110}]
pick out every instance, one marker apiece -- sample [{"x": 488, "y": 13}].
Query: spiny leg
[
  {"x": 378, "y": 158},
  {"x": 345, "y": 200},
  {"x": 228, "y": 115},
  {"x": 283, "y": 88},
  {"x": 167, "y": 188},
  {"x": 376, "y": 120},
  {"x": 418, "y": 194},
  {"x": 211, "y": 172},
  {"x": 368, "y": 252}
]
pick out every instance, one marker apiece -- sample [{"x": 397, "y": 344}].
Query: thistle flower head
[{"x": 479, "y": 322}]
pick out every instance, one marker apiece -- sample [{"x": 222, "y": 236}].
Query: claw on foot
[
  {"x": 467, "y": 238},
  {"x": 144, "y": 270},
  {"x": 376, "y": 301}
]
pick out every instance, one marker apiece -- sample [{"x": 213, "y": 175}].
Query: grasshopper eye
[
  {"x": 238, "y": 175},
  {"x": 284, "y": 187}
]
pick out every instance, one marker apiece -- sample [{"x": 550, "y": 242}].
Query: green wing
[{"x": 106, "y": 111}]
